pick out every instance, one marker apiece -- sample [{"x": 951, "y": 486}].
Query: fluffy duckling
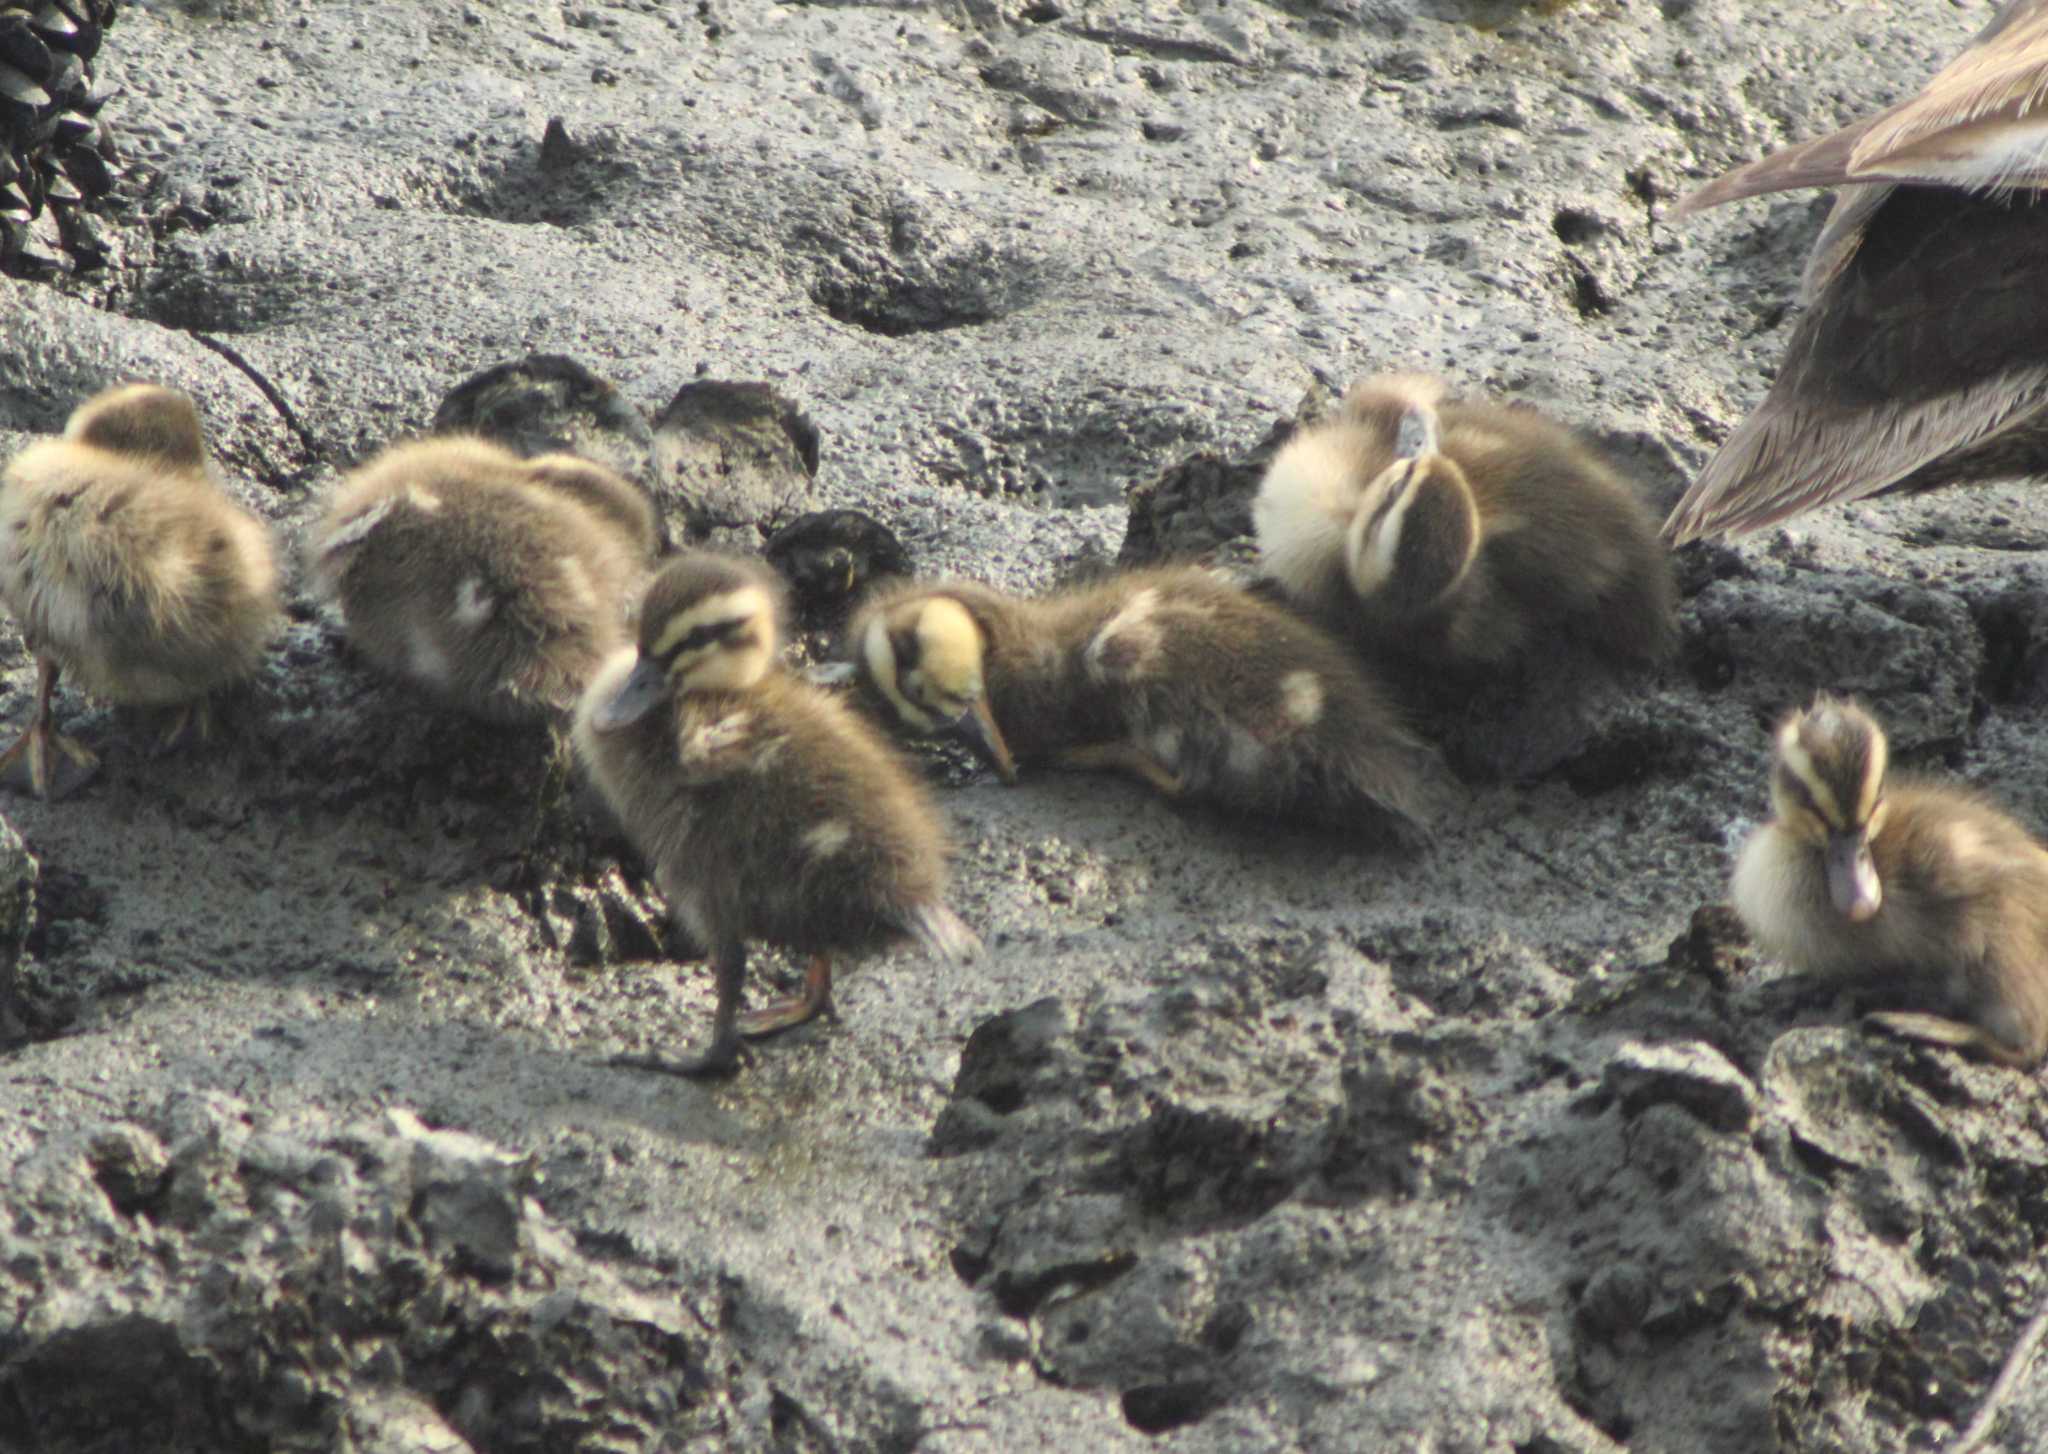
[
  {"x": 1171, "y": 675},
  {"x": 1461, "y": 536},
  {"x": 498, "y": 584},
  {"x": 1863, "y": 873},
  {"x": 128, "y": 566},
  {"x": 765, "y": 808},
  {"x": 1922, "y": 356}
]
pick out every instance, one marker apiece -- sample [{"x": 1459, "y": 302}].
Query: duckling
[
  {"x": 1459, "y": 537},
  {"x": 127, "y": 565},
  {"x": 498, "y": 584},
  {"x": 1171, "y": 675},
  {"x": 1870, "y": 874},
  {"x": 1922, "y": 356},
  {"x": 766, "y": 808}
]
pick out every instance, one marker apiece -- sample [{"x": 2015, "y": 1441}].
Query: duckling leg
[
  {"x": 722, "y": 1055},
  {"x": 816, "y": 1000},
  {"x": 1126, "y": 757},
  {"x": 196, "y": 717},
  {"x": 35, "y": 742},
  {"x": 1940, "y": 1030}
]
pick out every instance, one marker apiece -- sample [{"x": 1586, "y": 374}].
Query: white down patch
[
  {"x": 827, "y": 839},
  {"x": 474, "y": 604},
  {"x": 1301, "y": 698}
]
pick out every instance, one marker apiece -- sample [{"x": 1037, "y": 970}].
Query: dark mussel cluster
[{"x": 55, "y": 158}]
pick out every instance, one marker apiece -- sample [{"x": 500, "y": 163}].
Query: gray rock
[
  {"x": 547, "y": 402},
  {"x": 734, "y": 455}
]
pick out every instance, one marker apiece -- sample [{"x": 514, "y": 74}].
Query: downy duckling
[
  {"x": 1459, "y": 537},
  {"x": 128, "y": 566},
  {"x": 1868, "y": 874},
  {"x": 1921, "y": 358},
  {"x": 766, "y": 809},
  {"x": 1171, "y": 675},
  {"x": 498, "y": 584}
]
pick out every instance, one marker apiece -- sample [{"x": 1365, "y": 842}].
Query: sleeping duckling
[
  {"x": 127, "y": 565},
  {"x": 1460, "y": 536},
  {"x": 498, "y": 584},
  {"x": 1881, "y": 877},
  {"x": 1921, "y": 358},
  {"x": 1171, "y": 675},
  {"x": 765, "y": 808}
]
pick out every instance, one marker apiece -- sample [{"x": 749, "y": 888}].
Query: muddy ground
[{"x": 1236, "y": 1139}]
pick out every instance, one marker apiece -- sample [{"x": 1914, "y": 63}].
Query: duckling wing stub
[
  {"x": 1926, "y": 352},
  {"x": 715, "y": 744}
]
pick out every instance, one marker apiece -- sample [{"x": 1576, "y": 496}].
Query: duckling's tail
[{"x": 943, "y": 932}]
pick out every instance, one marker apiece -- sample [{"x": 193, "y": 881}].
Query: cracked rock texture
[{"x": 1236, "y": 1139}]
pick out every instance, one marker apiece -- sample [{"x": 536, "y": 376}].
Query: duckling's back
[
  {"x": 1254, "y": 708},
  {"x": 1567, "y": 545},
  {"x": 457, "y": 568},
  {"x": 778, "y": 812},
  {"x": 135, "y": 571},
  {"x": 1966, "y": 893}
]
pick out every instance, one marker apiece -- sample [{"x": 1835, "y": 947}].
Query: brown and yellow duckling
[
  {"x": 498, "y": 584},
  {"x": 766, "y": 809},
  {"x": 1172, "y": 675},
  {"x": 1460, "y": 537},
  {"x": 1921, "y": 358},
  {"x": 129, "y": 567},
  {"x": 1864, "y": 873}
]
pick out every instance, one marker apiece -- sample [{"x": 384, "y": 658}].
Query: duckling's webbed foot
[
  {"x": 1940, "y": 1030},
  {"x": 194, "y": 719},
  {"x": 815, "y": 1000},
  {"x": 34, "y": 746},
  {"x": 724, "y": 1054},
  {"x": 1126, "y": 757}
]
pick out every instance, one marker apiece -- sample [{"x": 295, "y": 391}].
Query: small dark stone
[
  {"x": 547, "y": 402},
  {"x": 830, "y": 557}
]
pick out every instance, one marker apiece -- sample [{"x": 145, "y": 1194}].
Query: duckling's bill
[
  {"x": 627, "y": 689},
  {"x": 1852, "y": 875},
  {"x": 977, "y": 726}
]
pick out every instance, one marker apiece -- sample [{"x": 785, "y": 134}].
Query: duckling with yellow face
[
  {"x": 765, "y": 808},
  {"x": 128, "y": 566},
  {"x": 1173, "y": 676},
  {"x": 497, "y": 584},
  {"x": 1869, "y": 874},
  {"x": 1462, "y": 537}
]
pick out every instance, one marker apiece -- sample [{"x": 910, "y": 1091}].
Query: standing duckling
[
  {"x": 1172, "y": 675},
  {"x": 765, "y": 808},
  {"x": 1461, "y": 537},
  {"x": 1879, "y": 877},
  {"x": 128, "y": 566},
  {"x": 498, "y": 584}
]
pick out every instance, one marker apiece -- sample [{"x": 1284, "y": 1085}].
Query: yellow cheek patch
[{"x": 949, "y": 650}]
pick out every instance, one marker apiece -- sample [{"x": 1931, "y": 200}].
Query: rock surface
[{"x": 1236, "y": 1139}]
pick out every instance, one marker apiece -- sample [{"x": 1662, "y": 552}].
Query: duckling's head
[
  {"x": 708, "y": 623},
  {"x": 141, "y": 419},
  {"x": 612, "y": 497},
  {"x": 924, "y": 654},
  {"x": 1827, "y": 787},
  {"x": 1416, "y": 530}
]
